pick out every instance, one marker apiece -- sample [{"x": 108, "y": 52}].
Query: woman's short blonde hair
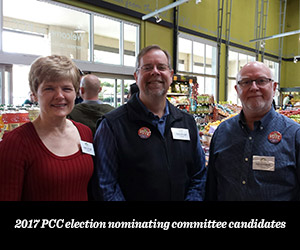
[{"x": 52, "y": 69}]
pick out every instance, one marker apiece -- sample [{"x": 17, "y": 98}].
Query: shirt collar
[
  {"x": 149, "y": 113},
  {"x": 262, "y": 123},
  {"x": 92, "y": 102}
]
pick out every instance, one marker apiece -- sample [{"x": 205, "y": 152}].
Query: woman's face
[{"x": 56, "y": 99}]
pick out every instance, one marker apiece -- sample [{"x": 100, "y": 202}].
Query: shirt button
[
  {"x": 261, "y": 128},
  {"x": 246, "y": 159},
  {"x": 250, "y": 138},
  {"x": 243, "y": 182}
]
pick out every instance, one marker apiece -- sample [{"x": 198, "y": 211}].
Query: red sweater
[{"x": 29, "y": 171}]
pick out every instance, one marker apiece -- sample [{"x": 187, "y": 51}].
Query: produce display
[
  {"x": 12, "y": 117},
  {"x": 211, "y": 126},
  {"x": 294, "y": 114},
  {"x": 222, "y": 112}
]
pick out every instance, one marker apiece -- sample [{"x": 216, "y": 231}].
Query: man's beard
[
  {"x": 258, "y": 105},
  {"x": 156, "y": 92}
]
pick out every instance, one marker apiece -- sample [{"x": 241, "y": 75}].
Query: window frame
[
  {"x": 119, "y": 71},
  {"x": 88, "y": 65},
  {"x": 233, "y": 78},
  {"x": 251, "y": 54},
  {"x": 207, "y": 77}
]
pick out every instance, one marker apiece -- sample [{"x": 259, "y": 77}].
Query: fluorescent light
[
  {"x": 276, "y": 36},
  {"x": 170, "y": 6}
]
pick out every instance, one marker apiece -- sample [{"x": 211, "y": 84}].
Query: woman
[{"x": 43, "y": 159}]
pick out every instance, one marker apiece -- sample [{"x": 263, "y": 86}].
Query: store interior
[{"x": 209, "y": 41}]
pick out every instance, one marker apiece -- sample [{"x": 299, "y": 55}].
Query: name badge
[
  {"x": 87, "y": 148},
  {"x": 264, "y": 163},
  {"x": 180, "y": 134}
]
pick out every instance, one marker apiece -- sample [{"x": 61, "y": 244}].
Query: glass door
[{"x": 114, "y": 91}]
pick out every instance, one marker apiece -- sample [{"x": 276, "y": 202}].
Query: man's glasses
[
  {"x": 260, "y": 82},
  {"x": 159, "y": 67}
]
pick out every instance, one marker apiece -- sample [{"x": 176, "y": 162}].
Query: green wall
[
  {"x": 202, "y": 19},
  {"x": 290, "y": 70}
]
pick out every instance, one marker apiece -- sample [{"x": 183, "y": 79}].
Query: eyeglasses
[
  {"x": 260, "y": 82},
  {"x": 149, "y": 67}
]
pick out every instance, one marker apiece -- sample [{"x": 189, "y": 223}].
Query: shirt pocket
[{"x": 283, "y": 175}]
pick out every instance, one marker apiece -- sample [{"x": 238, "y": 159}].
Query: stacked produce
[
  {"x": 12, "y": 117},
  {"x": 294, "y": 114},
  {"x": 211, "y": 126}
]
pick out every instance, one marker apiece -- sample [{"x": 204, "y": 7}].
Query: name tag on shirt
[
  {"x": 264, "y": 163},
  {"x": 87, "y": 148},
  {"x": 180, "y": 134}
]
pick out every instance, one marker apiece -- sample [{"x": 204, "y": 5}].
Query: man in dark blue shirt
[{"x": 256, "y": 154}]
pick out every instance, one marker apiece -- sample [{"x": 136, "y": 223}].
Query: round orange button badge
[
  {"x": 144, "y": 132},
  {"x": 274, "y": 137}
]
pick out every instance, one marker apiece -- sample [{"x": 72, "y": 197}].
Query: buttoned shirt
[{"x": 232, "y": 174}]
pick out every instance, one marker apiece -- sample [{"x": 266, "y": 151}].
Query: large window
[
  {"x": 96, "y": 42},
  {"x": 198, "y": 57},
  {"x": 130, "y": 44},
  {"x": 236, "y": 60},
  {"x": 108, "y": 41},
  {"x": 274, "y": 67},
  {"x": 28, "y": 31}
]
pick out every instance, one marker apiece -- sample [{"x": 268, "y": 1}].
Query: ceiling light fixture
[
  {"x": 157, "y": 19},
  {"x": 170, "y": 6}
]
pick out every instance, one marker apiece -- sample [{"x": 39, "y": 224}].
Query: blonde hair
[{"x": 52, "y": 69}]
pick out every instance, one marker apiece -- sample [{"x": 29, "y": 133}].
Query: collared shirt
[
  {"x": 159, "y": 123},
  {"x": 92, "y": 102},
  {"x": 106, "y": 149},
  {"x": 231, "y": 171}
]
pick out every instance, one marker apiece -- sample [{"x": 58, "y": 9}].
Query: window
[
  {"x": 236, "y": 60},
  {"x": 274, "y": 67},
  {"x": 20, "y": 83},
  {"x": 61, "y": 29},
  {"x": 130, "y": 44},
  {"x": 26, "y": 30},
  {"x": 198, "y": 57},
  {"x": 185, "y": 55},
  {"x": 107, "y": 40},
  {"x": 40, "y": 28}
]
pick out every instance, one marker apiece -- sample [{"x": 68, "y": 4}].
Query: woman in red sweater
[{"x": 44, "y": 159}]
